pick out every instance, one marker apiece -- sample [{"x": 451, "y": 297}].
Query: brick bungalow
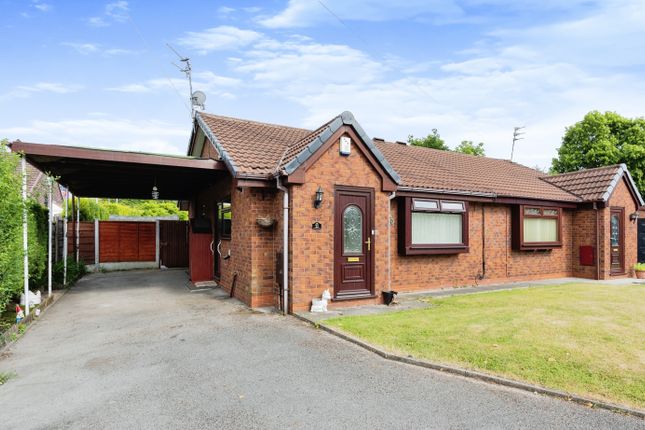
[
  {"x": 359, "y": 216},
  {"x": 365, "y": 216}
]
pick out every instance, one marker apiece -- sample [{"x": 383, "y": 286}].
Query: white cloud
[
  {"x": 118, "y": 11},
  {"x": 112, "y": 133},
  {"x": 305, "y": 13},
  {"x": 94, "y": 48},
  {"x": 214, "y": 85},
  {"x": 43, "y": 7},
  {"x": 82, "y": 48},
  {"x": 219, "y": 39},
  {"x": 224, "y": 11},
  {"x": 97, "y": 21},
  {"x": 112, "y": 12},
  {"x": 301, "y": 66},
  {"x": 545, "y": 77},
  {"x": 24, "y": 91}
]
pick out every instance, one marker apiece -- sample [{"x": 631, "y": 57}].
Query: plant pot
[
  {"x": 388, "y": 296},
  {"x": 640, "y": 274},
  {"x": 265, "y": 222}
]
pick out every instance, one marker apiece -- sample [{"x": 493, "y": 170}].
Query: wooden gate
[{"x": 173, "y": 243}]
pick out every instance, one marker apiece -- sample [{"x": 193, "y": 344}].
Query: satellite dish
[{"x": 199, "y": 98}]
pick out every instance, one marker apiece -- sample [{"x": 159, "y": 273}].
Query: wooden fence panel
[
  {"x": 147, "y": 242},
  {"x": 108, "y": 242},
  {"x": 128, "y": 241}
]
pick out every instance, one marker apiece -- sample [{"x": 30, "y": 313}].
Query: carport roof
[{"x": 91, "y": 172}]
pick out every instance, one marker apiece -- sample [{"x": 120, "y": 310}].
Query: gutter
[
  {"x": 453, "y": 192},
  {"x": 285, "y": 246}
]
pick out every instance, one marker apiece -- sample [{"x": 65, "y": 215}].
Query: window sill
[
  {"x": 539, "y": 247},
  {"x": 434, "y": 251}
]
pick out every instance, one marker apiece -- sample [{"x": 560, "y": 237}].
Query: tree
[
  {"x": 603, "y": 139},
  {"x": 101, "y": 210},
  {"x": 468, "y": 147},
  {"x": 430, "y": 141}
]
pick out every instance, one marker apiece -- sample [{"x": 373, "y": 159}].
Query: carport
[{"x": 91, "y": 172}]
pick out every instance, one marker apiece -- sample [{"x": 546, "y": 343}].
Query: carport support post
[
  {"x": 96, "y": 245},
  {"x": 49, "y": 235},
  {"x": 78, "y": 228},
  {"x": 65, "y": 239},
  {"x": 25, "y": 238}
]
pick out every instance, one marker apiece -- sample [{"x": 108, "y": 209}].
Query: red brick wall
[
  {"x": 311, "y": 271},
  {"x": 503, "y": 264},
  {"x": 312, "y": 251},
  {"x": 584, "y": 234}
]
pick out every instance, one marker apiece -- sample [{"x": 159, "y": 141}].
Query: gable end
[
  {"x": 346, "y": 118},
  {"x": 220, "y": 149}
]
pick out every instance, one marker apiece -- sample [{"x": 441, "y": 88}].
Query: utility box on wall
[{"x": 587, "y": 255}]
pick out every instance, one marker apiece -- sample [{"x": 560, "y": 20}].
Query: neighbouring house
[
  {"x": 37, "y": 188},
  {"x": 359, "y": 216}
]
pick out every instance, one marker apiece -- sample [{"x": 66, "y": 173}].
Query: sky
[{"x": 93, "y": 73}]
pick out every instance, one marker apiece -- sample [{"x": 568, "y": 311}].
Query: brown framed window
[
  {"x": 224, "y": 218},
  {"x": 537, "y": 227},
  {"x": 432, "y": 226}
]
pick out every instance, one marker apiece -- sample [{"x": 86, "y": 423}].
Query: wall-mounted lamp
[
  {"x": 319, "y": 197},
  {"x": 633, "y": 217},
  {"x": 155, "y": 193}
]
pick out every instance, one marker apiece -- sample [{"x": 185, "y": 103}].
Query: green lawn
[{"x": 580, "y": 338}]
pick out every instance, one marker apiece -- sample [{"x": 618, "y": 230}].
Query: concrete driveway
[{"x": 137, "y": 350}]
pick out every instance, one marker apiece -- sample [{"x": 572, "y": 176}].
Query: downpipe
[{"x": 285, "y": 246}]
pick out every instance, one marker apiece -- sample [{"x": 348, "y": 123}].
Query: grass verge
[{"x": 580, "y": 338}]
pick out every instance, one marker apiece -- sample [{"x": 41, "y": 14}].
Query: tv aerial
[{"x": 197, "y": 98}]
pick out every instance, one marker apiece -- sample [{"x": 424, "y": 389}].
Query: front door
[
  {"x": 617, "y": 240},
  {"x": 353, "y": 242}
]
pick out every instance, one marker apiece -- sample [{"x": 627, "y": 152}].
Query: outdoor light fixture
[
  {"x": 633, "y": 217},
  {"x": 155, "y": 191},
  {"x": 319, "y": 197}
]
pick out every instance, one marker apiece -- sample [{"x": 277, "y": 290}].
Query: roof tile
[
  {"x": 448, "y": 171},
  {"x": 588, "y": 184}
]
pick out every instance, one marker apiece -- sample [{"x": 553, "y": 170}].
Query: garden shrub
[{"x": 11, "y": 246}]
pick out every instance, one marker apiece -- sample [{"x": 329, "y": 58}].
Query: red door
[
  {"x": 201, "y": 256},
  {"x": 617, "y": 240},
  {"x": 353, "y": 242}
]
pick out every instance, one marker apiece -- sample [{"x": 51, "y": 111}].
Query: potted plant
[{"x": 639, "y": 269}]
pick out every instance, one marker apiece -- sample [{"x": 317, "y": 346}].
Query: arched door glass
[{"x": 352, "y": 230}]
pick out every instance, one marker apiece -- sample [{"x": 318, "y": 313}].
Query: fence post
[
  {"x": 96, "y": 245},
  {"x": 157, "y": 243},
  {"x": 49, "y": 235}
]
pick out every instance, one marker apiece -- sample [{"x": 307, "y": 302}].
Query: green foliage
[
  {"x": 11, "y": 246},
  {"x": 91, "y": 209},
  {"x": 640, "y": 267},
  {"x": 5, "y": 376},
  {"x": 75, "y": 271},
  {"x": 10, "y": 226},
  {"x": 603, "y": 139},
  {"x": 468, "y": 147},
  {"x": 432, "y": 140}
]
